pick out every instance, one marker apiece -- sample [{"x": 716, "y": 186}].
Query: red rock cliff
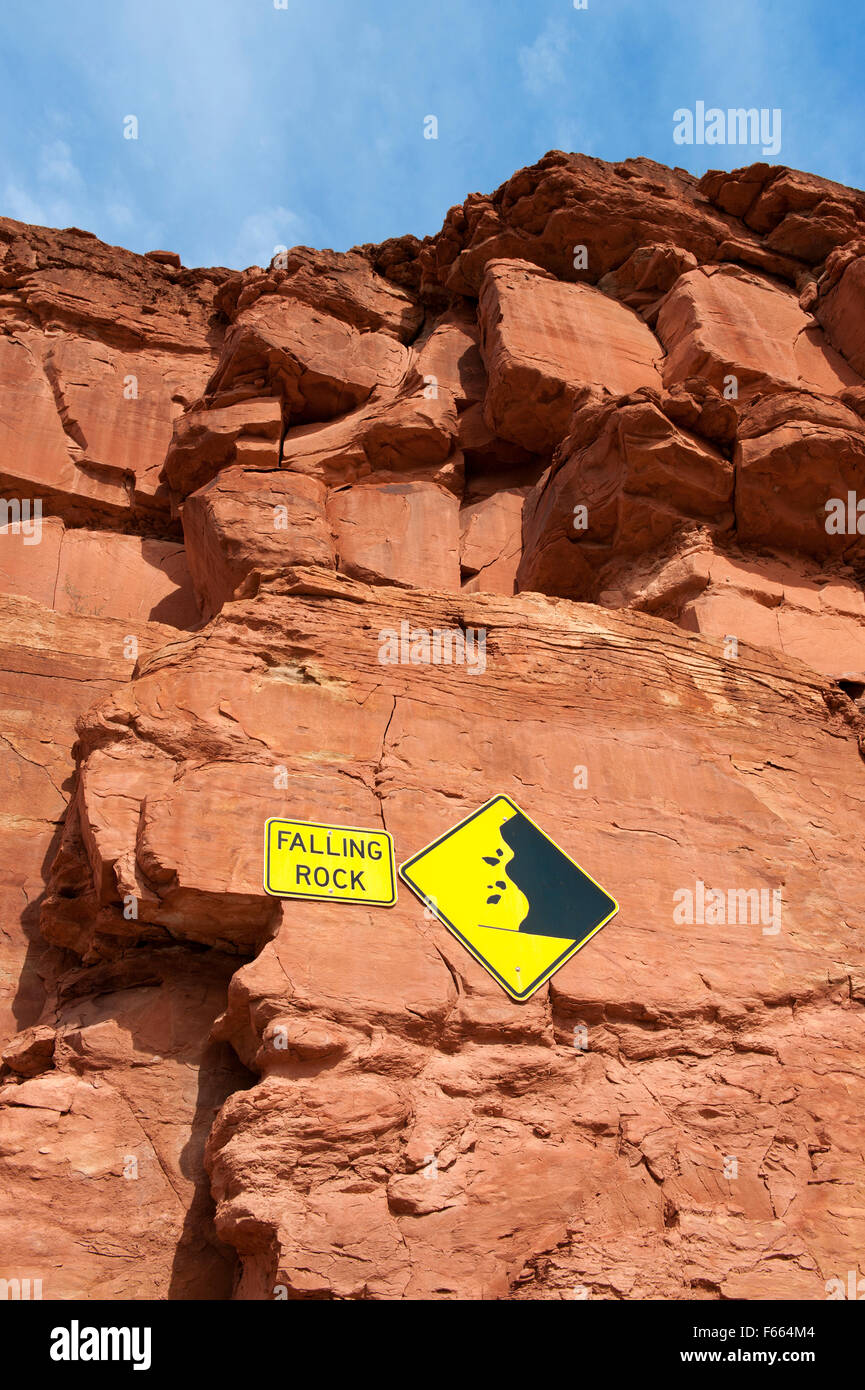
[{"x": 598, "y": 417}]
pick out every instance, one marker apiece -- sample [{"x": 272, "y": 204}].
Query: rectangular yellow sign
[{"x": 337, "y": 863}]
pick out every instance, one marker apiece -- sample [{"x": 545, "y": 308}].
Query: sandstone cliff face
[{"x": 598, "y": 418}]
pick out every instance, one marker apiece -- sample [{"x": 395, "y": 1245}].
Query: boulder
[
  {"x": 66, "y": 571},
  {"x": 745, "y": 334},
  {"x": 409, "y": 436},
  {"x": 491, "y": 542},
  {"x": 797, "y": 453},
  {"x": 244, "y": 520},
  {"x": 340, "y": 283},
  {"x": 791, "y": 607},
  {"x": 404, "y": 533},
  {"x": 207, "y": 437},
  {"x": 38, "y": 459},
  {"x": 320, "y": 365},
  {"x": 543, "y": 340},
  {"x": 841, "y": 308},
  {"x": 625, "y": 481},
  {"x": 53, "y": 666}
]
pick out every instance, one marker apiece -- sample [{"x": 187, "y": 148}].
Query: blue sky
[{"x": 260, "y": 126}]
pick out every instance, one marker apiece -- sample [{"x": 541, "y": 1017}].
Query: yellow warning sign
[
  {"x": 305, "y": 859},
  {"x": 510, "y": 895}
]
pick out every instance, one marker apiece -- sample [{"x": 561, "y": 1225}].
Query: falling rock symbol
[
  {"x": 524, "y": 925},
  {"x": 559, "y": 894}
]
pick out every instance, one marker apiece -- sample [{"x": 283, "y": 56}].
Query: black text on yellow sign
[
  {"x": 339, "y": 863},
  {"x": 510, "y": 895}
]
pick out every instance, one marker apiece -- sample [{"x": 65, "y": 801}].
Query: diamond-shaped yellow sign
[{"x": 510, "y": 895}]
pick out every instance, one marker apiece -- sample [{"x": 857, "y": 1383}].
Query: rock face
[
  {"x": 722, "y": 325},
  {"x": 543, "y": 340},
  {"x": 611, "y": 421}
]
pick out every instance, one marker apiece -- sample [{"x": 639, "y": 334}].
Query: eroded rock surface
[{"x": 611, "y": 419}]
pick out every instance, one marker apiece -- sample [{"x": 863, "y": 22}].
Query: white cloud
[
  {"x": 261, "y": 233},
  {"x": 543, "y": 63},
  {"x": 57, "y": 167},
  {"x": 18, "y": 204},
  {"x": 121, "y": 214},
  {"x": 55, "y": 199}
]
